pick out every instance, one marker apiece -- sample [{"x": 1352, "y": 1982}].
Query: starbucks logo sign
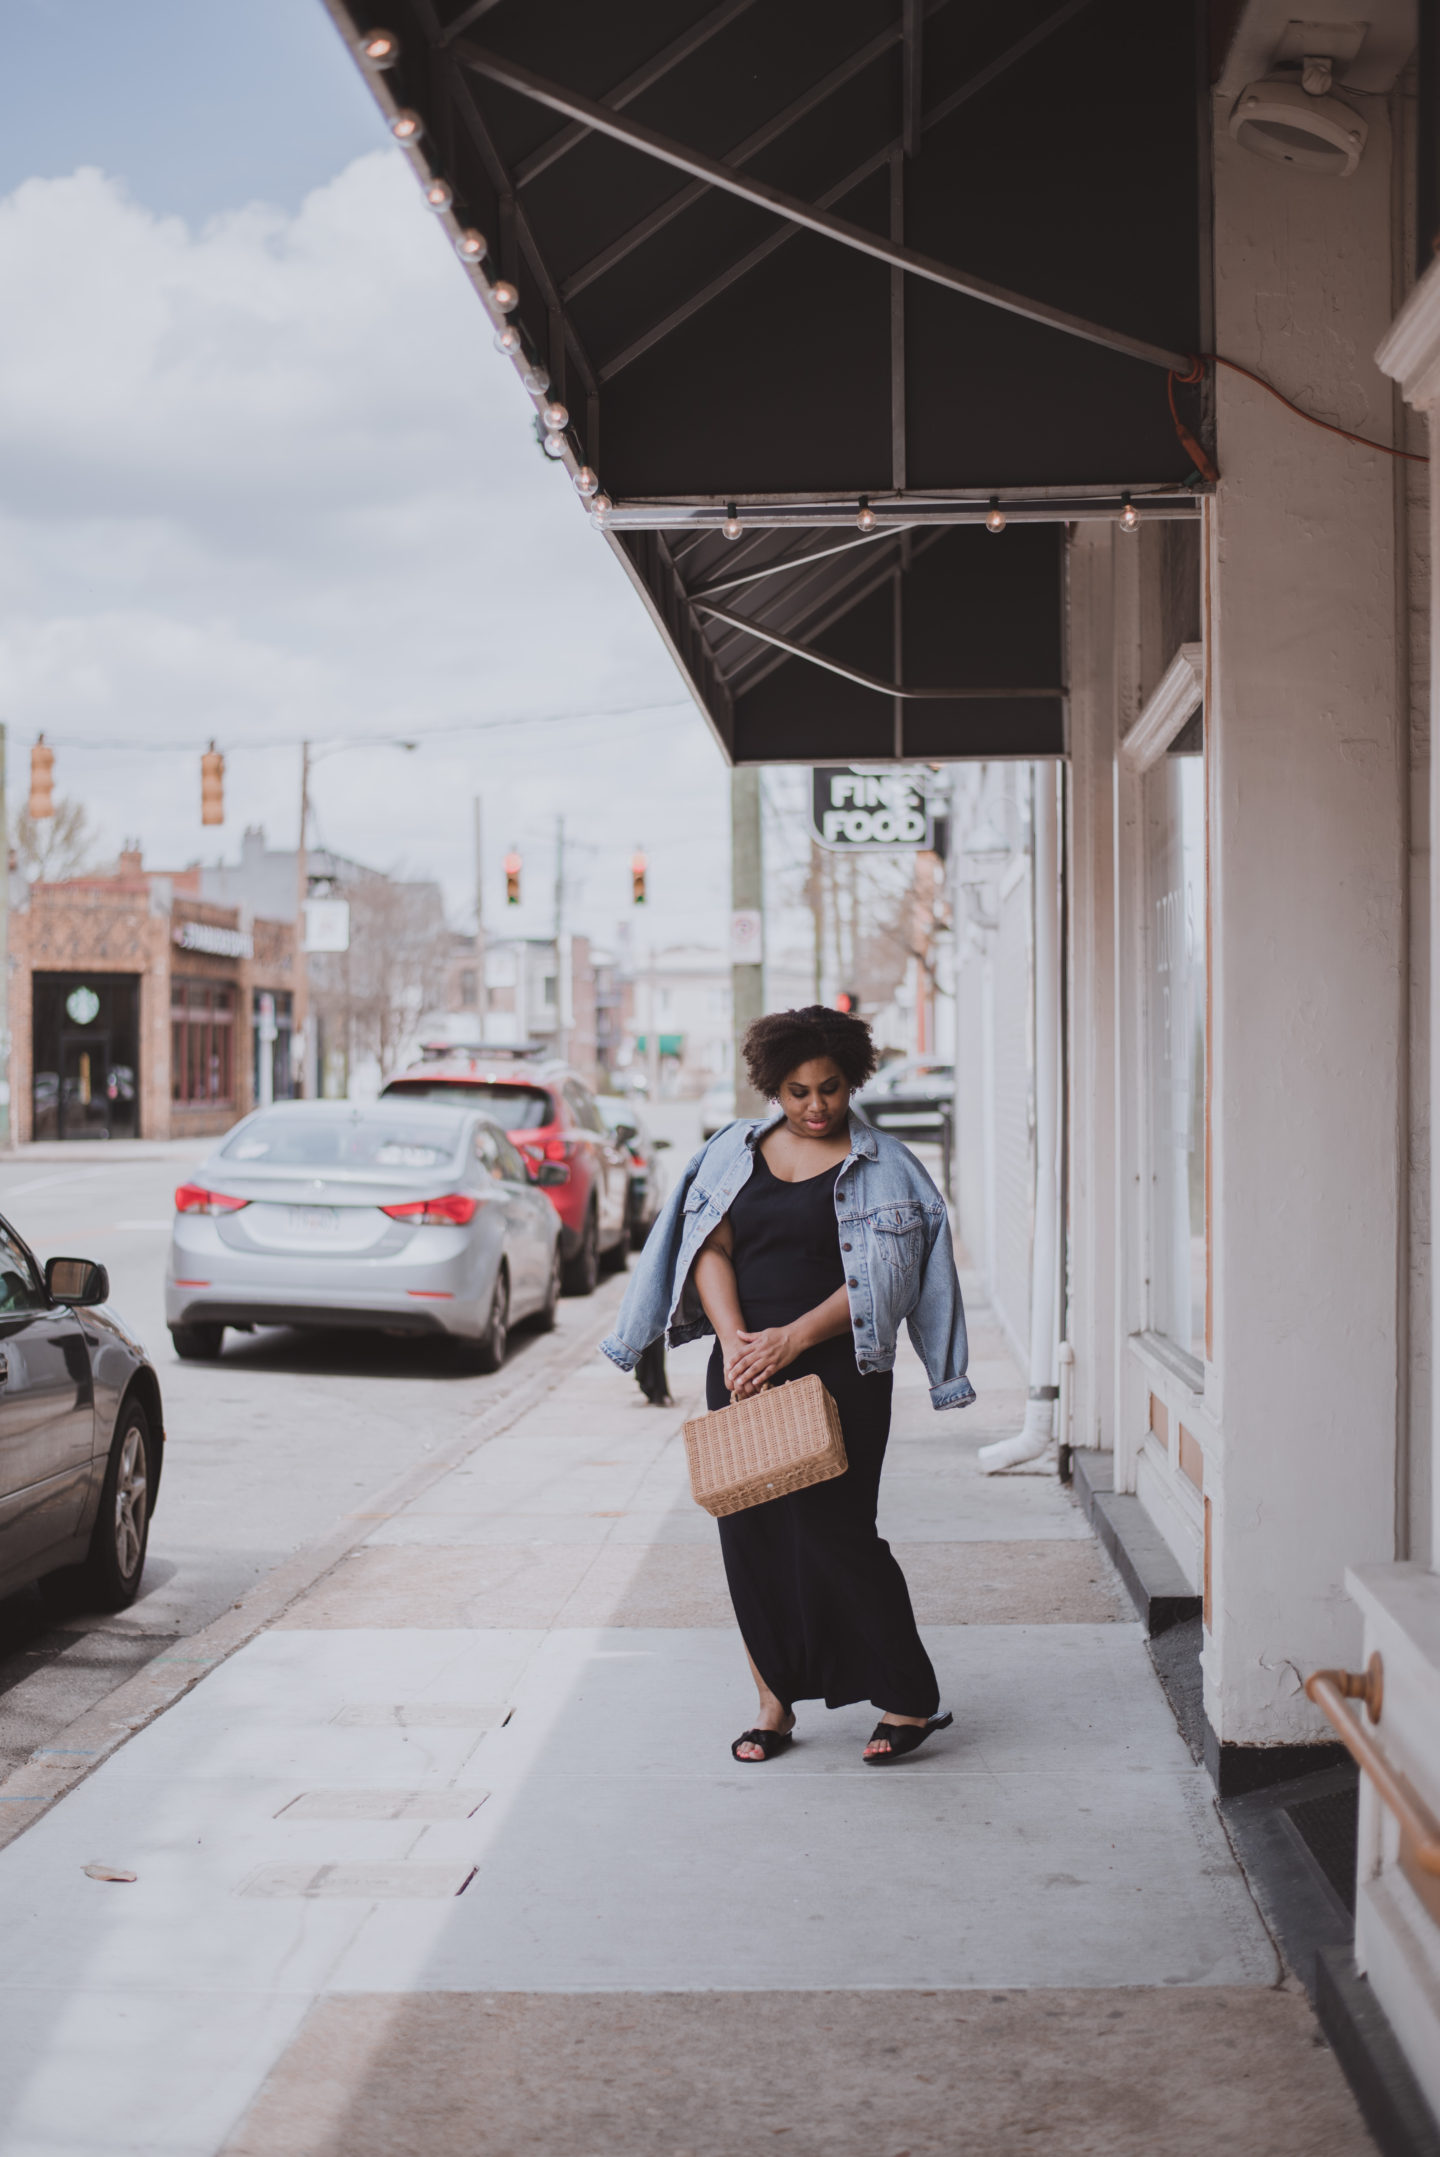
[{"x": 82, "y": 1005}]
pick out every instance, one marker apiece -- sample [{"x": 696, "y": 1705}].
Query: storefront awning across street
[{"x": 801, "y": 307}]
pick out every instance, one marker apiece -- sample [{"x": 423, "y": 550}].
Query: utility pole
[
  {"x": 562, "y": 986},
  {"x": 747, "y": 923},
  {"x": 652, "y": 1030},
  {"x": 300, "y": 1022},
  {"x": 481, "y": 997},
  {"x": 6, "y": 1126}
]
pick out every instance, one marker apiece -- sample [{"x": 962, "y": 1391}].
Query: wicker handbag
[{"x": 781, "y": 1440}]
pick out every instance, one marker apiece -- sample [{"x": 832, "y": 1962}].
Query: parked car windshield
[
  {"x": 518, "y": 1108},
  {"x": 287, "y": 1140}
]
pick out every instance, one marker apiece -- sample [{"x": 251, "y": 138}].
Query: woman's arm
[
  {"x": 759, "y": 1356},
  {"x": 714, "y": 1278}
]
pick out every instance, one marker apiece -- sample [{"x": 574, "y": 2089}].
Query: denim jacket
[{"x": 894, "y": 1236}]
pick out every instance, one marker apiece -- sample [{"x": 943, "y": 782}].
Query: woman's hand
[{"x": 757, "y": 1357}]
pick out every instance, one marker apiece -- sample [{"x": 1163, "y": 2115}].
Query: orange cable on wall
[{"x": 1204, "y": 464}]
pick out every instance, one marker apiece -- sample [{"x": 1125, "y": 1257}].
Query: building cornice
[
  {"x": 1179, "y": 693},
  {"x": 1409, "y": 352}
]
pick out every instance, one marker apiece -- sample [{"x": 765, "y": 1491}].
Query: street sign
[
  {"x": 747, "y": 937},
  {"x": 327, "y": 925},
  {"x": 860, "y": 809}
]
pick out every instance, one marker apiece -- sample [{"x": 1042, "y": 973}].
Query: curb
[{"x": 29, "y": 1791}]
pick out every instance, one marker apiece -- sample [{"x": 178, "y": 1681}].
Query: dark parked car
[
  {"x": 649, "y": 1172},
  {"x": 81, "y": 1432},
  {"x": 913, "y": 1097},
  {"x": 550, "y": 1113}
]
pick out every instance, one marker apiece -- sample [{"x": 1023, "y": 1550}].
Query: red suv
[{"x": 550, "y": 1113}]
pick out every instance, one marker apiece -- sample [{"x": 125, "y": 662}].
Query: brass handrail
[{"x": 1419, "y": 1832}]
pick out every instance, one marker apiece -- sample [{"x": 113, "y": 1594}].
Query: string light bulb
[
  {"x": 865, "y": 520},
  {"x": 439, "y": 194},
  {"x": 505, "y": 296},
  {"x": 1129, "y": 516},
  {"x": 471, "y": 245},
  {"x": 602, "y": 505},
  {"x": 556, "y": 418},
  {"x": 555, "y": 445},
  {"x": 586, "y": 482},
  {"x": 536, "y": 380},
  {"x": 732, "y": 527},
  {"x": 508, "y": 340},
  {"x": 379, "y": 48},
  {"x": 994, "y": 515},
  {"x": 407, "y": 126}
]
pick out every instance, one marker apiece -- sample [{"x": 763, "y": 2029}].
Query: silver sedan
[{"x": 404, "y": 1218}]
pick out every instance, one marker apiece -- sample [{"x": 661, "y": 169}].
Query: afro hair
[{"x": 775, "y": 1045}]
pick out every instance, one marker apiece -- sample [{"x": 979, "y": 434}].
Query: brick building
[{"x": 139, "y": 1009}]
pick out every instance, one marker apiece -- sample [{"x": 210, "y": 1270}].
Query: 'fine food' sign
[{"x": 854, "y": 809}]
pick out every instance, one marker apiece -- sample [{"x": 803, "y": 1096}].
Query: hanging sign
[
  {"x": 327, "y": 925},
  {"x": 747, "y": 936},
  {"x": 855, "y": 809}
]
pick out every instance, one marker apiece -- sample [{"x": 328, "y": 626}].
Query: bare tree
[
  {"x": 56, "y": 847},
  {"x": 371, "y": 997}
]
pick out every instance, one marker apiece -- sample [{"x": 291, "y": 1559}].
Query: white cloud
[{"x": 267, "y": 480}]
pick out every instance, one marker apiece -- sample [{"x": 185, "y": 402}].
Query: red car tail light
[
  {"x": 194, "y": 1198},
  {"x": 551, "y": 1149},
  {"x": 452, "y": 1211}
]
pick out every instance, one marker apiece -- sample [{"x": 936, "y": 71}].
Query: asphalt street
[{"x": 266, "y": 1451}]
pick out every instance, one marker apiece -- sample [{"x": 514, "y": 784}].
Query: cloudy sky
[{"x": 263, "y": 478}]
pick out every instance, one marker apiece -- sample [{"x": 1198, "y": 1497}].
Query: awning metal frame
[{"x": 713, "y": 172}]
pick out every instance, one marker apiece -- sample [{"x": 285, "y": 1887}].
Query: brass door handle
[{"x": 1419, "y": 1832}]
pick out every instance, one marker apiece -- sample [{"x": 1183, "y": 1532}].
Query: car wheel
[
  {"x": 490, "y": 1348},
  {"x": 549, "y": 1310},
  {"x": 110, "y": 1575},
  {"x": 639, "y": 1232},
  {"x": 617, "y": 1257},
  {"x": 197, "y": 1344},
  {"x": 583, "y": 1270}
]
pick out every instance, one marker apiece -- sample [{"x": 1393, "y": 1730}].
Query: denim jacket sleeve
[
  {"x": 936, "y": 1325},
  {"x": 645, "y": 1312}
]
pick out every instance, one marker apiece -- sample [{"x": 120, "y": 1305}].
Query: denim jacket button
[
  {"x": 844, "y": 1246},
  {"x": 852, "y": 1282}
]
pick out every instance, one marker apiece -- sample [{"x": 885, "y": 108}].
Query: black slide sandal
[
  {"x": 902, "y": 1738},
  {"x": 769, "y": 1741}
]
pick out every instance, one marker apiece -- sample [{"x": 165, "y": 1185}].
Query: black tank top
[{"x": 787, "y": 1244}]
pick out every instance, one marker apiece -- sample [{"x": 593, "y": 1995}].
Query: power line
[{"x": 416, "y": 738}]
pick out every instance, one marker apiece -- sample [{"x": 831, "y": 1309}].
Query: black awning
[{"x": 903, "y": 261}]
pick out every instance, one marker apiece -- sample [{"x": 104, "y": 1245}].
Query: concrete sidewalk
[{"x": 454, "y": 1857}]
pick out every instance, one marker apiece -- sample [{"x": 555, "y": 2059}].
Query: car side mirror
[
  {"x": 625, "y": 1132},
  {"x": 659, "y": 1144},
  {"x": 552, "y": 1172},
  {"x": 76, "y": 1280}
]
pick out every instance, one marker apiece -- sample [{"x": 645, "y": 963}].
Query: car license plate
[{"x": 314, "y": 1220}]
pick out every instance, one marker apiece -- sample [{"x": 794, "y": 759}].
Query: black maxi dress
[{"x": 821, "y": 1603}]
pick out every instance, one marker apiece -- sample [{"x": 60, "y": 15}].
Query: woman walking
[{"x": 801, "y": 1240}]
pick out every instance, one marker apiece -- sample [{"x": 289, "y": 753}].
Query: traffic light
[
  {"x": 42, "y": 781},
  {"x": 638, "y": 866},
  {"x": 212, "y": 786},
  {"x": 847, "y": 1001},
  {"x": 512, "y": 878}
]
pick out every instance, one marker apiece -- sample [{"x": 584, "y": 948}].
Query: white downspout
[{"x": 1038, "y": 1430}]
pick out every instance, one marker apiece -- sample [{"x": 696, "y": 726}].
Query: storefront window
[
  {"x": 1175, "y": 878},
  {"x": 202, "y": 1042},
  {"x": 85, "y": 1046}
]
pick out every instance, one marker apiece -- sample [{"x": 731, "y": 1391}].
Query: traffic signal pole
[
  {"x": 747, "y": 918},
  {"x": 301, "y": 1017}
]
